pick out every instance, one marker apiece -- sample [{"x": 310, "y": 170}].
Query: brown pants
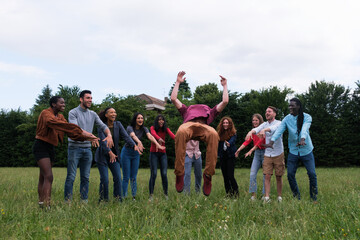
[{"x": 201, "y": 132}]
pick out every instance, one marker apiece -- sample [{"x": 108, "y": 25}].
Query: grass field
[{"x": 336, "y": 216}]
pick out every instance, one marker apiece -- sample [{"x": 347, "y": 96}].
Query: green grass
[{"x": 336, "y": 216}]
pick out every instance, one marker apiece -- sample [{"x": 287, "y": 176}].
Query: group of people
[{"x": 266, "y": 136}]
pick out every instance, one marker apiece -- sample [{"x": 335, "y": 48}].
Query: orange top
[{"x": 51, "y": 128}]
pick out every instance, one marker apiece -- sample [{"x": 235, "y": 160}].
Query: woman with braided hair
[{"x": 300, "y": 146}]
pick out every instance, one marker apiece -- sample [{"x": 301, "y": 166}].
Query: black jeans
[
  {"x": 156, "y": 157},
  {"x": 227, "y": 169}
]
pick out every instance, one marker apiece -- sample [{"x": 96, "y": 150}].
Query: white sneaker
[
  {"x": 267, "y": 199},
  {"x": 151, "y": 198},
  {"x": 253, "y": 198},
  {"x": 279, "y": 199}
]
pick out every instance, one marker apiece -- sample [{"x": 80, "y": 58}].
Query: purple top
[{"x": 198, "y": 111}]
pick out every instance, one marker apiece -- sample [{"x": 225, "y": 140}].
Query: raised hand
[
  {"x": 223, "y": 81},
  {"x": 180, "y": 77}
]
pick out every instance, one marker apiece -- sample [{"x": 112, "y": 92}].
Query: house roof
[{"x": 152, "y": 102}]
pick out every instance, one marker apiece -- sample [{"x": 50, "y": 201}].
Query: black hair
[
  {"x": 82, "y": 94},
  {"x": 133, "y": 120},
  {"x": 54, "y": 99},
  {"x": 102, "y": 115},
  {"x": 300, "y": 119},
  {"x": 156, "y": 123}
]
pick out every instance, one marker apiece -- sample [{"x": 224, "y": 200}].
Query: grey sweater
[{"x": 85, "y": 119}]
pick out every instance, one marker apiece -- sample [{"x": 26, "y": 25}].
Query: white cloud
[
  {"x": 23, "y": 70},
  {"x": 254, "y": 44}
]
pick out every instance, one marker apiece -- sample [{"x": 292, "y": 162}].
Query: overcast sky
[{"x": 134, "y": 47}]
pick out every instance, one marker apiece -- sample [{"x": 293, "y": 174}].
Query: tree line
[{"x": 335, "y": 129}]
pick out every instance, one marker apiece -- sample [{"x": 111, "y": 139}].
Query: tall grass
[{"x": 336, "y": 216}]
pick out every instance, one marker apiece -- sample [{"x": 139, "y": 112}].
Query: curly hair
[
  {"x": 54, "y": 99},
  {"x": 226, "y": 134}
]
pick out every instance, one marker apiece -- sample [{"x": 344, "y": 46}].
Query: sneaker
[
  {"x": 166, "y": 197},
  {"x": 179, "y": 185},
  {"x": 207, "y": 185},
  {"x": 253, "y": 198},
  {"x": 134, "y": 199},
  {"x": 151, "y": 198},
  {"x": 279, "y": 199},
  {"x": 267, "y": 199}
]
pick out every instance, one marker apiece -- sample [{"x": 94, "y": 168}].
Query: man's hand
[
  {"x": 301, "y": 143},
  {"x": 262, "y": 134},
  {"x": 95, "y": 143},
  {"x": 109, "y": 140},
  {"x": 180, "y": 77},
  {"x": 223, "y": 81},
  {"x": 268, "y": 145},
  {"x": 248, "y": 135}
]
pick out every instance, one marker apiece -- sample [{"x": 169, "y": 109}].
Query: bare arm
[
  {"x": 239, "y": 149},
  {"x": 180, "y": 79},
  {"x": 137, "y": 140},
  {"x": 251, "y": 151},
  {"x": 225, "y": 99}
]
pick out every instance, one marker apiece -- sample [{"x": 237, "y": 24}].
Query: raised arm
[
  {"x": 225, "y": 98},
  {"x": 174, "y": 99}
]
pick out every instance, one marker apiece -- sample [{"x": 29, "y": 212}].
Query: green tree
[
  {"x": 326, "y": 103},
  {"x": 184, "y": 93},
  {"x": 42, "y": 101}
]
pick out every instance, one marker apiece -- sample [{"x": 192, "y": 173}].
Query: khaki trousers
[{"x": 201, "y": 132}]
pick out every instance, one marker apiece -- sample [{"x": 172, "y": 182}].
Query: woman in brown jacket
[{"x": 51, "y": 127}]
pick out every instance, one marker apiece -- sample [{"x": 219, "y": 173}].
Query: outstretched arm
[
  {"x": 174, "y": 99},
  {"x": 225, "y": 98}
]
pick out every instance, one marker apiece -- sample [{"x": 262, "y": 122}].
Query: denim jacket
[{"x": 102, "y": 152}]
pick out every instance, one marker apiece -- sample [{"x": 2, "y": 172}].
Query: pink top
[
  {"x": 157, "y": 135},
  {"x": 192, "y": 147},
  {"x": 257, "y": 141},
  {"x": 198, "y": 111}
]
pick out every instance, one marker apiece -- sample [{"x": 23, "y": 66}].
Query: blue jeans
[
  {"x": 154, "y": 158},
  {"x": 255, "y": 166},
  {"x": 197, "y": 171},
  {"x": 309, "y": 162},
  {"x": 130, "y": 161},
  {"x": 83, "y": 158},
  {"x": 104, "y": 179}
]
